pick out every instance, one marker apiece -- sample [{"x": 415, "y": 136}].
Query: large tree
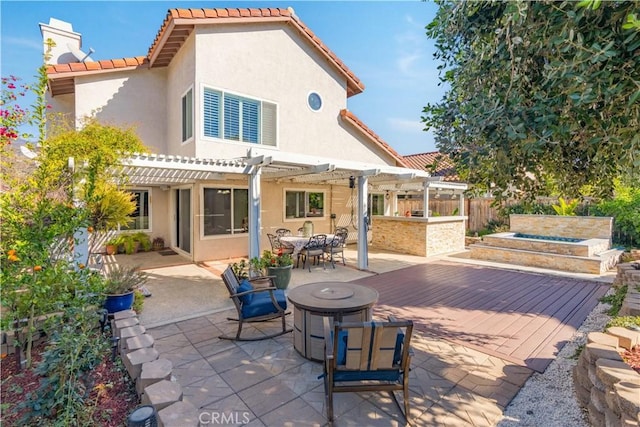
[{"x": 542, "y": 96}]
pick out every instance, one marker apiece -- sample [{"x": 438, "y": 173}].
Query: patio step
[{"x": 577, "y": 264}]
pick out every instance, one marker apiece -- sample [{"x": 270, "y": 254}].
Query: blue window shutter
[
  {"x": 211, "y": 109},
  {"x": 231, "y": 117},
  {"x": 250, "y": 121}
]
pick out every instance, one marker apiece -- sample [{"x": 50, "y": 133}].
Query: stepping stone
[
  {"x": 153, "y": 372},
  {"x": 162, "y": 394},
  {"x": 179, "y": 414},
  {"x": 118, "y": 325},
  {"x": 133, "y": 361},
  {"x": 124, "y": 314},
  {"x": 137, "y": 342},
  {"x": 131, "y": 331}
]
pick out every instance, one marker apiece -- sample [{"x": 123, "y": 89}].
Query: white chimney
[{"x": 67, "y": 43}]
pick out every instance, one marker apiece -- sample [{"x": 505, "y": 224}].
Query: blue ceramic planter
[{"x": 115, "y": 303}]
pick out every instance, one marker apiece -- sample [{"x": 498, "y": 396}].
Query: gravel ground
[{"x": 548, "y": 399}]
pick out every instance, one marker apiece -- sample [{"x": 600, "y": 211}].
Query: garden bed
[{"x": 110, "y": 401}]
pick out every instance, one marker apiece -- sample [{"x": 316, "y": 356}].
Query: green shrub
[
  {"x": 625, "y": 322},
  {"x": 615, "y": 300}
]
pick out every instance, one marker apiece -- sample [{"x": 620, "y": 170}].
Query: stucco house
[{"x": 246, "y": 113}]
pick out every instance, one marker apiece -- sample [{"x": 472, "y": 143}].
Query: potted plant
[
  {"x": 129, "y": 243},
  {"x": 158, "y": 244},
  {"x": 120, "y": 284},
  {"x": 111, "y": 246},
  {"x": 143, "y": 240},
  {"x": 277, "y": 265}
]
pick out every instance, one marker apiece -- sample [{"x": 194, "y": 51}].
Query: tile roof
[
  {"x": 176, "y": 28},
  {"x": 349, "y": 117},
  {"x": 444, "y": 166}
]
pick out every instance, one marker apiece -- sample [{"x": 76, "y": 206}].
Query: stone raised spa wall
[
  {"x": 419, "y": 236},
  {"x": 581, "y": 227}
]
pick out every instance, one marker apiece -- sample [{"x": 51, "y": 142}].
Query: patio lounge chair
[
  {"x": 367, "y": 356},
  {"x": 254, "y": 305}
]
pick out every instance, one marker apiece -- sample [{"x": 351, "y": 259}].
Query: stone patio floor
[{"x": 267, "y": 383}]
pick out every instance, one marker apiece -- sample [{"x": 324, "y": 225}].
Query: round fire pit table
[{"x": 342, "y": 301}]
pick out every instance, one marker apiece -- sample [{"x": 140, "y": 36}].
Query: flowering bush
[{"x": 270, "y": 259}]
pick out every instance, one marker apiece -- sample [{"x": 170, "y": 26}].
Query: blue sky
[{"x": 382, "y": 42}]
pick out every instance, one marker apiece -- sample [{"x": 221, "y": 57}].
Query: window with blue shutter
[
  {"x": 211, "y": 107},
  {"x": 250, "y": 121},
  {"x": 236, "y": 118}
]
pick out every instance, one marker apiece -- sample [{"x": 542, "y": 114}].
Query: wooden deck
[{"x": 524, "y": 318}]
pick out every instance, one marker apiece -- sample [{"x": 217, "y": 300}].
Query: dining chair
[
  {"x": 344, "y": 230},
  {"x": 283, "y": 232},
  {"x": 278, "y": 246},
  {"x": 314, "y": 249},
  {"x": 335, "y": 246}
]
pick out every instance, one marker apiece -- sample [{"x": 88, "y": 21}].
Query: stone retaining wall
[
  {"x": 629, "y": 274},
  {"x": 605, "y": 385},
  {"x": 153, "y": 377}
]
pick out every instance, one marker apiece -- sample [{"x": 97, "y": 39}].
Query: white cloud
[
  {"x": 405, "y": 125},
  {"x": 24, "y": 42},
  {"x": 406, "y": 61}
]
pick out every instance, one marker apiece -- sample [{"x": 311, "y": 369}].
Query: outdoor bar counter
[{"x": 419, "y": 235}]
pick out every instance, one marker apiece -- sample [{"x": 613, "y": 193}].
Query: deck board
[{"x": 525, "y": 318}]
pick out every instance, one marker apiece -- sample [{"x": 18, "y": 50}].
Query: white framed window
[
  {"x": 225, "y": 211},
  {"x": 376, "y": 204},
  {"x": 187, "y": 115},
  {"x": 238, "y": 118},
  {"x": 303, "y": 204},
  {"x": 141, "y": 217}
]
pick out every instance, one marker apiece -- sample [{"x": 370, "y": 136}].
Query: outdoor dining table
[{"x": 298, "y": 242}]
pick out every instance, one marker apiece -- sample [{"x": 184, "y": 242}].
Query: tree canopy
[{"x": 543, "y": 97}]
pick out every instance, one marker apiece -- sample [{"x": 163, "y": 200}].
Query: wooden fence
[{"x": 479, "y": 211}]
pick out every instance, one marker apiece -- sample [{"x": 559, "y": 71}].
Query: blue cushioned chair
[
  {"x": 367, "y": 356},
  {"x": 255, "y": 304}
]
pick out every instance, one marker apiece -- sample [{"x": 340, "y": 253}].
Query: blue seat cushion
[
  {"x": 244, "y": 287},
  {"x": 397, "y": 352},
  {"x": 380, "y": 375},
  {"x": 262, "y": 304}
]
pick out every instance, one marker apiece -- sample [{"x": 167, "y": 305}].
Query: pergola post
[
  {"x": 255, "y": 222},
  {"x": 425, "y": 199},
  {"x": 363, "y": 211}
]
